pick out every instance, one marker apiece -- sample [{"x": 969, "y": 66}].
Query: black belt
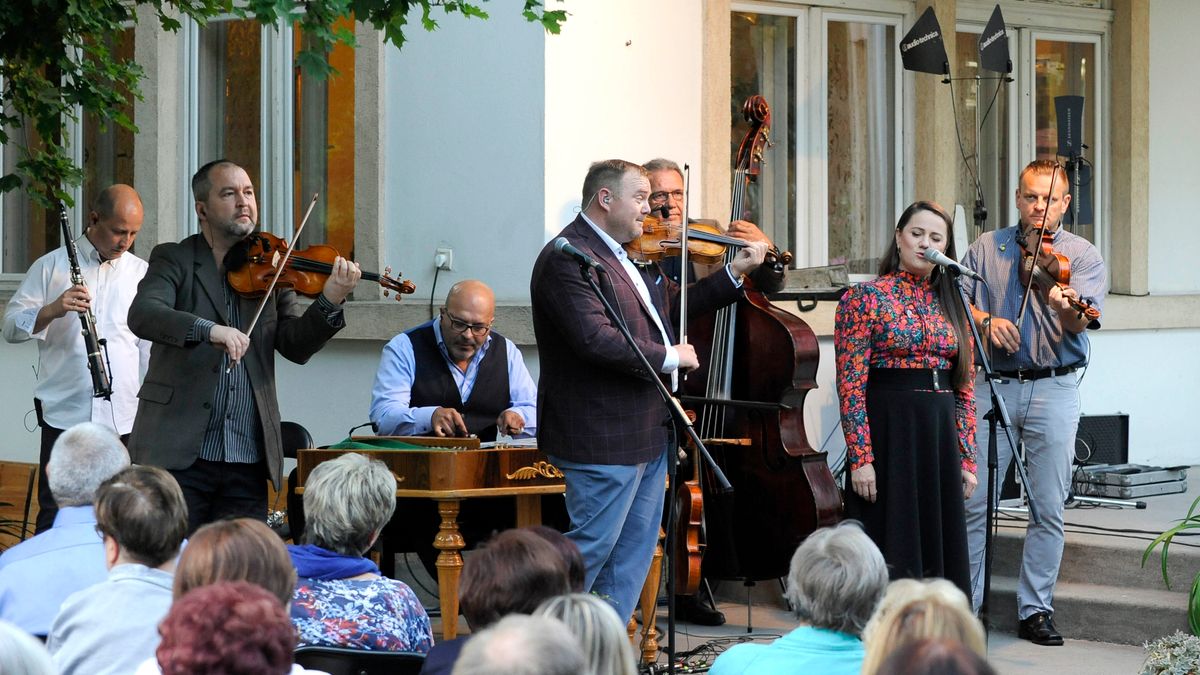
[
  {"x": 912, "y": 379},
  {"x": 1036, "y": 374}
]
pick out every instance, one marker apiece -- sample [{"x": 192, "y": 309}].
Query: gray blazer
[{"x": 176, "y": 397}]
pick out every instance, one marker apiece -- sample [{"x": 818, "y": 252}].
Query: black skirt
[{"x": 918, "y": 517}]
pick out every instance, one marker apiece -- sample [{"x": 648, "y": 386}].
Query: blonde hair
[
  {"x": 598, "y": 630},
  {"x": 913, "y": 610}
]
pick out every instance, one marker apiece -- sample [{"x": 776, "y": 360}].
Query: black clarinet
[{"x": 101, "y": 382}]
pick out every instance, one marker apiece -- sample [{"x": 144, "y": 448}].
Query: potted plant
[{"x": 1189, "y": 522}]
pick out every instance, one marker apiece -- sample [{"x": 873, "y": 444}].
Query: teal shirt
[{"x": 805, "y": 649}]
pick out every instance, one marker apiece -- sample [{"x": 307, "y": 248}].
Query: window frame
[{"x": 811, "y": 70}]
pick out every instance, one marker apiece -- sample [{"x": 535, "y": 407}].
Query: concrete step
[
  {"x": 1105, "y": 561},
  {"x": 1099, "y": 612}
]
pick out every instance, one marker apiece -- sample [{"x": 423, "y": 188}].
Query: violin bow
[
  {"x": 683, "y": 261},
  {"x": 1036, "y": 248},
  {"x": 278, "y": 270}
]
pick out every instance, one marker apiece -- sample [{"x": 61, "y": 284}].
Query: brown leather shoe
[{"x": 1039, "y": 629}]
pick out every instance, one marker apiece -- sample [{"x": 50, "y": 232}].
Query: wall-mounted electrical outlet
[{"x": 443, "y": 259}]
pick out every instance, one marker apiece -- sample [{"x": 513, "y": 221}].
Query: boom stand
[
  {"x": 998, "y": 415},
  {"x": 681, "y": 422}
]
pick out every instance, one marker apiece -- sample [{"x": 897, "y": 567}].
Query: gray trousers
[{"x": 1045, "y": 414}]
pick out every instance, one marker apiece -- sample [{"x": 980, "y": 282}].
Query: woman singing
[{"x": 905, "y": 379}]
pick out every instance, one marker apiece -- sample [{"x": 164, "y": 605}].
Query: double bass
[{"x": 749, "y": 399}]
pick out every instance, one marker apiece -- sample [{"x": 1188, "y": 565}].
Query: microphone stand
[
  {"x": 681, "y": 422},
  {"x": 997, "y": 416}
]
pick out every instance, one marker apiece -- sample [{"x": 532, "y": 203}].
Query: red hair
[{"x": 231, "y": 628}]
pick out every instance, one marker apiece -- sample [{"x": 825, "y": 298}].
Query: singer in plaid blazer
[{"x": 600, "y": 418}]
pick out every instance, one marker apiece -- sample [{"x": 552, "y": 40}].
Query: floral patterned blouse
[
  {"x": 377, "y": 614},
  {"x": 894, "y": 321}
]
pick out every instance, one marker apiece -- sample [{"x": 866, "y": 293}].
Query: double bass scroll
[{"x": 762, "y": 363}]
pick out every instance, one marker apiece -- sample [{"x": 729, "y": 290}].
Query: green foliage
[
  {"x": 55, "y": 59},
  {"x": 1189, "y": 522}
]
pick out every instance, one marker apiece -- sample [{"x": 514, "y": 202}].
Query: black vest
[{"x": 434, "y": 386}]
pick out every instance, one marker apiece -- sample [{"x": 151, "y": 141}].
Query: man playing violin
[
  {"x": 667, "y": 190},
  {"x": 600, "y": 417},
  {"x": 207, "y": 410},
  {"x": 1038, "y": 364}
]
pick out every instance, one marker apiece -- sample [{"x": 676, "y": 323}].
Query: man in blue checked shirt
[{"x": 1038, "y": 363}]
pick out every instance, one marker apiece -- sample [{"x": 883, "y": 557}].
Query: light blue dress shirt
[
  {"x": 37, "y": 575},
  {"x": 390, "y": 397}
]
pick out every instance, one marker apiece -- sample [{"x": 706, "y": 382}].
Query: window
[
  {"x": 107, "y": 149},
  {"x": 982, "y": 106},
  {"x": 1022, "y": 123},
  {"x": 833, "y": 178},
  {"x": 294, "y": 134}
]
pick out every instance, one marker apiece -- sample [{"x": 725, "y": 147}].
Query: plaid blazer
[{"x": 596, "y": 404}]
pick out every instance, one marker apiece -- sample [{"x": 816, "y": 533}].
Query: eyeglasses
[
  {"x": 460, "y": 326},
  {"x": 661, "y": 197}
]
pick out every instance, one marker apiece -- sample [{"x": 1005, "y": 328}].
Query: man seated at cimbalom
[{"x": 455, "y": 377}]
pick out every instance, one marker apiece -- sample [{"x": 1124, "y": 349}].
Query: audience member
[
  {"x": 569, "y": 551},
  {"x": 522, "y": 645},
  {"x": 341, "y": 600},
  {"x": 21, "y": 654},
  {"x": 599, "y": 631},
  {"x": 836, "y": 578},
  {"x": 913, "y": 610},
  {"x": 242, "y": 549},
  {"x": 933, "y": 656},
  {"x": 512, "y": 573},
  {"x": 37, "y": 575},
  {"x": 112, "y": 626},
  {"x": 226, "y": 628}
]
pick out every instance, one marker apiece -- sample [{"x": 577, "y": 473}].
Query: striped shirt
[
  {"x": 233, "y": 433},
  {"x": 1044, "y": 343}
]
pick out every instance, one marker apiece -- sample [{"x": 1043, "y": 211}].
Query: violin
[
  {"x": 1045, "y": 268},
  {"x": 252, "y": 264},
  {"x": 706, "y": 243}
]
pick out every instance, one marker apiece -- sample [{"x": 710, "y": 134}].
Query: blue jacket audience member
[
  {"x": 37, "y": 575},
  {"x": 837, "y": 577},
  {"x": 113, "y": 626}
]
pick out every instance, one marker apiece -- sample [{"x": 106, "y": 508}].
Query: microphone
[
  {"x": 664, "y": 211},
  {"x": 938, "y": 258},
  {"x": 561, "y": 245}
]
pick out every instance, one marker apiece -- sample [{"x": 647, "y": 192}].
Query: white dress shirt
[{"x": 64, "y": 384}]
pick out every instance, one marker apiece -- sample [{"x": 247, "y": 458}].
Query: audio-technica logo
[{"x": 919, "y": 41}]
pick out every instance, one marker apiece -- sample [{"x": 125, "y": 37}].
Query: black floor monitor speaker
[{"x": 1101, "y": 439}]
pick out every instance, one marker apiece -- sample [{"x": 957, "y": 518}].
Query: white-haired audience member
[
  {"x": 522, "y": 645},
  {"x": 341, "y": 599},
  {"x": 21, "y": 654},
  {"x": 837, "y": 576},
  {"x": 914, "y": 610},
  {"x": 37, "y": 575},
  {"x": 600, "y": 633},
  {"x": 113, "y": 626}
]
